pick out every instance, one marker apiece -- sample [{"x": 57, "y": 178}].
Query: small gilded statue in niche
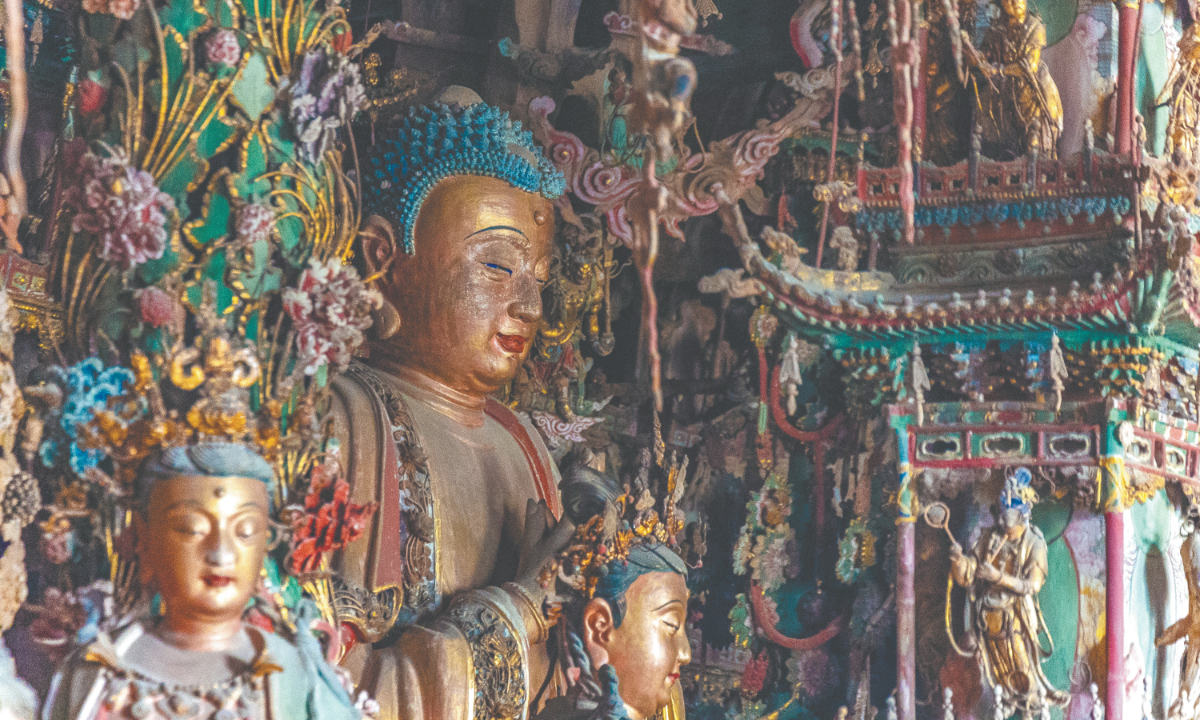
[
  {"x": 202, "y": 533},
  {"x": 1187, "y": 628},
  {"x": 1182, "y": 94},
  {"x": 1003, "y": 574},
  {"x": 1018, "y": 100},
  {"x": 444, "y": 591},
  {"x": 623, "y": 634}
]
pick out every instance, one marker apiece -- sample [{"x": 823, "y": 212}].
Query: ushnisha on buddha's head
[
  {"x": 465, "y": 195},
  {"x": 202, "y": 532}
]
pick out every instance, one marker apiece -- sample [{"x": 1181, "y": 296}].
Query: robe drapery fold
[{"x": 443, "y": 641}]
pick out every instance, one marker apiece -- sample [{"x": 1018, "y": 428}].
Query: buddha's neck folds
[{"x": 454, "y": 404}]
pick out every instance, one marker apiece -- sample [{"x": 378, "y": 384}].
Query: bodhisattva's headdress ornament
[
  {"x": 463, "y": 136},
  {"x": 641, "y": 525},
  {"x": 1018, "y": 493}
]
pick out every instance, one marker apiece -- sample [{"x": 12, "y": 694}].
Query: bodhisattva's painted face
[
  {"x": 649, "y": 647},
  {"x": 469, "y": 297},
  {"x": 203, "y": 540}
]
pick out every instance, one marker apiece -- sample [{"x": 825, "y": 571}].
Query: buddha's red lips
[
  {"x": 217, "y": 581},
  {"x": 511, "y": 343},
  {"x": 672, "y": 678}
]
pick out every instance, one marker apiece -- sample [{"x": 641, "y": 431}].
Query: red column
[
  {"x": 1127, "y": 19},
  {"x": 1114, "y": 555},
  {"x": 906, "y": 620}
]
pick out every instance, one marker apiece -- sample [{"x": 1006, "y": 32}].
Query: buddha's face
[
  {"x": 202, "y": 540},
  {"x": 469, "y": 297},
  {"x": 649, "y": 647}
]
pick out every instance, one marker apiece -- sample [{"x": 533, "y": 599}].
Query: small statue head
[
  {"x": 468, "y": 194},
  {"x": 636, "y": 622},
  {"x": 1015, "y": 10},
  {"x": 202, "y": 530},
  {"x": 635, "y": 618}
]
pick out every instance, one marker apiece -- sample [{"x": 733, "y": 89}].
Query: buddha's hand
[{"x": 543, "y": 540}]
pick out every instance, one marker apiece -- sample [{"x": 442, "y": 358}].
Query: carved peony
[
  {"x": 122, "y": 207},
  {"x": 159, "y": 308},
  {"x": 331, "y": 307},
  {"x": 326, "y": 95},
  {"x": 222, "y": 48},
  {"x": 254, "y": 223},
  {"x": 123, "y": 9}
]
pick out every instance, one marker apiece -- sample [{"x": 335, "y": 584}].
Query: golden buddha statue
[
  {"x": 1003, "y": 574},
  {"x": 1018, "y": 100},
  {"x": 444, "y": 594},
  {"x": 202, "y": 534}
]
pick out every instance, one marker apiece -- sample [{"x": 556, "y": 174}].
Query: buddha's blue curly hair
[{"x": 439, "y": 141}]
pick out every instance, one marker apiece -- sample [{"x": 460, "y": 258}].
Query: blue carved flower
[{"x": 87, "y": 385}]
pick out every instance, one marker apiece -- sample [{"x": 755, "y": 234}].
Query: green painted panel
[
  {"x": 1060, "y": 594},
  {"x": 1154, "y": 523},
  {"x": 1060, "y": 605}
]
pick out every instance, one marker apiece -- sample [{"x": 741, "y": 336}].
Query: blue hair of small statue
[
  {"x": 206, "y": 459},
  {"x": 618, "y": 576},
  {"x": 440, "y": 141}
]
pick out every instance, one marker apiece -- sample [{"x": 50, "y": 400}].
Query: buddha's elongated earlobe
[
  {"x": 377, "y": 240},
  {"x": 385, "y": 321}
]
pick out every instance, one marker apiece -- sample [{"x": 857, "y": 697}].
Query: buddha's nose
[
  {"x": 220, "y": 554},
  {"x": 527, "y": 304}
]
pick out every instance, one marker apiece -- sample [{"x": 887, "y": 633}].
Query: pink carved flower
[
  {"x": 331, "y": 308},
  {"x": 58, "y": 547},
  {"x": 123, "y": 9},
  {"x": 254, "y": 223},
  {"x": 755, "y": 675},
  {"x": 122, "y": 207},
  {"x": 222, "y": 48},
  {"x": 159, "y": 308},
  {"x": 91, "y": 96}
]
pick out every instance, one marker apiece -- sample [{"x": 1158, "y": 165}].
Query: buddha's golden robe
[{"x": 452, "y": 478}]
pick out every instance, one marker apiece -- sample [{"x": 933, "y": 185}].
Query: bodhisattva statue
[
  {"x": 202, "y": 534},
  {"x": 1187, "y": 628},
  {"x": 1018, "y": 100},
  {"x": 624, "y": 636},
  {"x": 444, "y": 593},
  {"x": 1003, "y": 575}
]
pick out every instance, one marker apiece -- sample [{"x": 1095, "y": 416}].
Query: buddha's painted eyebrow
[
  {"x": 668, "y": 604},
  {"x": 524, "y": 241}
]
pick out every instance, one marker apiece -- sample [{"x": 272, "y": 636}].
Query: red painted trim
[
  {"x": 809, "y": 643},
  {"x": 1127, "y": 14},
  {"x": 542, "y": 477},
  {"x": 1114, "y": 560},
  {"x": 817, "y": 437}
]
